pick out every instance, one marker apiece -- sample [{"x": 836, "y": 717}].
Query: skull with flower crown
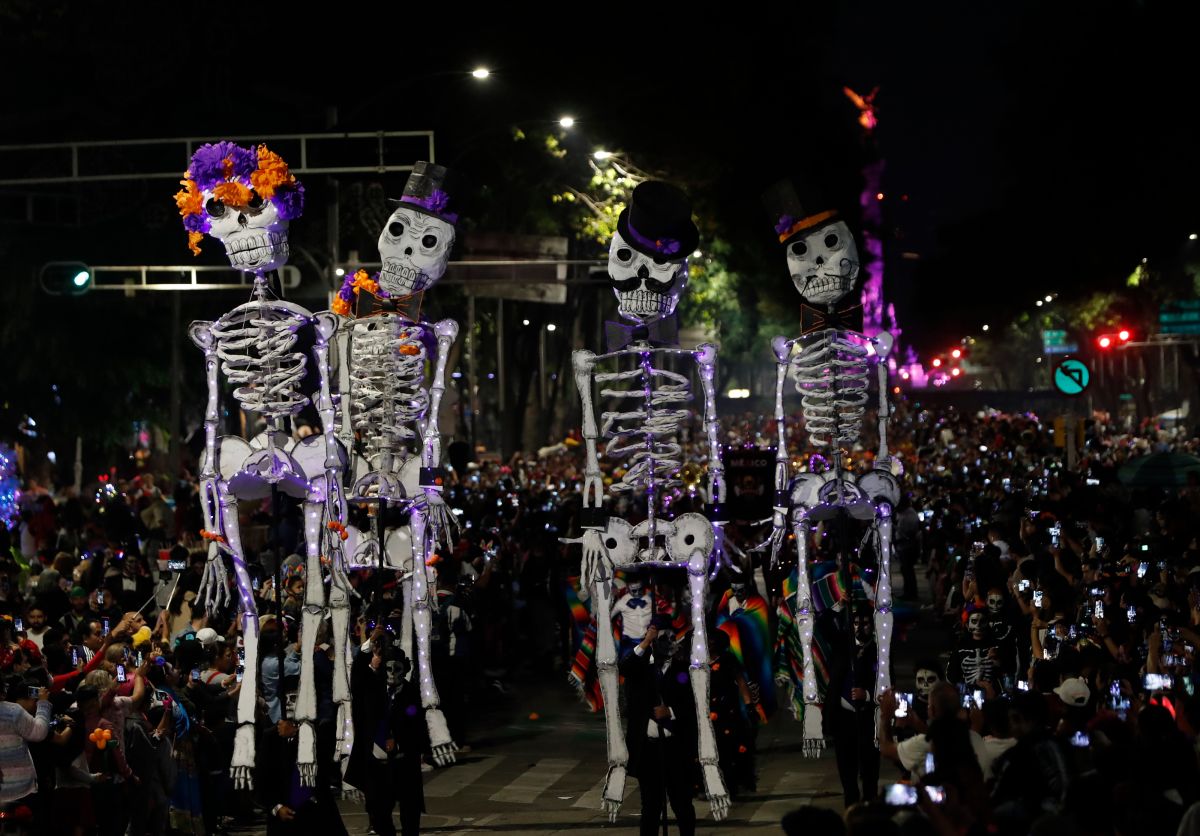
[{"x": 243, "y": 197}]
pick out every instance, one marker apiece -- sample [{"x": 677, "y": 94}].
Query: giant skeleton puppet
[
  {"x": 245, "y": 198},
  {"x": 390, "y": 411},
  {"x": 649, "y": 270},
  {"x": 830, "y": 366}
]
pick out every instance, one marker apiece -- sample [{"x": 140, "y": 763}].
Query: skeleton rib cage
[
  {"x": 254, "y": 343},
  {"x": 387, "y": 370},
  {"x": 651, "y": 445},
  {"x": 831, "y": 374}
]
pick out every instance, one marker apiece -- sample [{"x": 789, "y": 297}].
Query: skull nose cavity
[
  {"x": 820, "y": 259},
  {"x": 243, "y": 220},
  {"x": 643, "y": 272},
  {"x": 408, "y": 250}
]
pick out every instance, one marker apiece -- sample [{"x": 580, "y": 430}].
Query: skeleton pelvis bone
[{"x": 250, "y": 468}]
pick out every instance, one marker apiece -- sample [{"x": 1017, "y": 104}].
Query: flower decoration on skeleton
[{"x": 234, "y": 174}]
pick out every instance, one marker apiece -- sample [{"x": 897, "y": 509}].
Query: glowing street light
[
  {"x": 1040, "y": 303},
  {"x": 1049, "y": 298},
  {"x": 985, "y": 327},
  {"x": 567, "y": 121},
  {"x": 601, "y": 154},
  {"x": 551, "y": 327},
  {"x": 524, "y": 321},
  {"x": 480, "y": 73},
  {"x": 1193, "y": 237}
]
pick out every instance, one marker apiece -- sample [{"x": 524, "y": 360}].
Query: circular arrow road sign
[{"x": 1072, "y": 377}]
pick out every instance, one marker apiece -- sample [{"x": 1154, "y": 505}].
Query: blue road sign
[{"x": 1072, "y": 377}]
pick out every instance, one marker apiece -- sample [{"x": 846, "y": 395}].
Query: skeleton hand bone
[
  {"x": 775, "y": 540},
  {"x": 441, "y": 518},
  {"x": 214, "y": 583},
  {"x": 596, "y": 563},
  {"x": 614, "y": 791}
]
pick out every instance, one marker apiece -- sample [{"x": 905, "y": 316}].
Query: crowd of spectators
[{"x": 1068, "y": 605}]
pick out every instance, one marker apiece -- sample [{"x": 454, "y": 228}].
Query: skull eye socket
[
  {"x": 831, "y": 240},
  {"x": 660, "y": 287},
  {"x": 610, "y": 543},
  {"x": 395, "y": 229},
  {"x": 429, "y": 242},
  {"x": 214, "y": 208},
  {"x": 624, "y": 254},
  {"x": 256, "y": 202},
  {"x": 627, "y": 285},
  {"x": 799, "y": 249}
]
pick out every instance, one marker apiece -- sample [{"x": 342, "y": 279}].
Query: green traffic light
[{"x": 81, "y": 278}]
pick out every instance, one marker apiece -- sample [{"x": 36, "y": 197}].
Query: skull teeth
[
  {"x": 396, "y": 274},
  {"x": 256, "y": 250},
  {"x": 816, "y": 284},
  {"x": 643, "y": 303}
]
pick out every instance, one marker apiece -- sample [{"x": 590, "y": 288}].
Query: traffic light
[
  {"x": 66, "y": 278},
  {"x": 1124, "y": 335},
  {"x": 1105, "y": 341},
  {"x": 1120, "y": 337}
]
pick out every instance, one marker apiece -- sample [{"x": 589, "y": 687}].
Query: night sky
[{"x": 1041, "y": 149}]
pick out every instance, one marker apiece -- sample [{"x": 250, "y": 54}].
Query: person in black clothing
[
  {"x": 661, "y": 734},
  {"x": 848, "y": 715},
  {"x": 390, "y": 734},
  {"x": 291, "y": 806}
]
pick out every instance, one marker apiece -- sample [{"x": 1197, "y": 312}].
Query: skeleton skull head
[
  {"x": 396, "y": 668},
  {"x": 925, "y": 680},
  {"x": 823, "y": 263},
  {"x": 254, "y": 235},
  {"x": 646, "y": 287},
  {"x": 635, "y": 587},
  {"x": 414, "y": 247}
]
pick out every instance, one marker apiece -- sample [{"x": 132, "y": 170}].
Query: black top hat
[
  {"x": 791, "y": 213},
  {"x": 658, "y": 222},
  {"x": 430, "y": 190}
]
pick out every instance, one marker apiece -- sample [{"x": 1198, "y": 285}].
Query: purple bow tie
[
  {"x": 637, "y": 602},
  {"x": 662, "y": 332}
]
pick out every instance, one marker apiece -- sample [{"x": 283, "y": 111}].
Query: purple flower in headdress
[
  {"x": 196, "y": 223},
  {"x": 290, "y": 202},
  {"x": 785, "y": 223},
  {"x": 436, "y": 202},
  {"x": 208, "y": 167}
]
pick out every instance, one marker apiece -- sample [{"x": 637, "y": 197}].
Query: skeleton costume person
[
  {"x": 649, "y": 271},
  {"x": 246, "y": 199},
  {"x": 977, "y": 656},
  {"x": 830, "y": 366},
  {"x": 1002, "y": 619},
  {"x": 390, "y": 412}
]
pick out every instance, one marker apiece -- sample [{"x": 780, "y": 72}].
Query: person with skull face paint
[
  {"x": 848, "y": 713},
  {"x": 391, "y": 733},
  {"x": 635, "y": 609},
  {"x": 977, "y": 656},
  {"x": 927, "y": 674},
  {"x": 661, "y": 732}
]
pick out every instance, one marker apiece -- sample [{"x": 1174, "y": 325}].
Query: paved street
[{"x": 538, "y": 762}]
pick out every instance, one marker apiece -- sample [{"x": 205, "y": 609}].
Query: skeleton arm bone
[
  {"x": 582, "y": 363},
  {"x": 883, "y": 347},
  {"x": 783, "y": 352},
  {"x": 706, "y": 359},
  {"x": 439, "y": 515}
]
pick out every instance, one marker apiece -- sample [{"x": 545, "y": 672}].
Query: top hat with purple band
[
  {"x": 792, "y": 213},
  {"x": 658, "y": 222},
  {"x": 431, "y": 190}
]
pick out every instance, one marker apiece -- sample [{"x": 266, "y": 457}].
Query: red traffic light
[
  {"x": 1123, "y": 335},
  {"x": 1104, "y": 341}
]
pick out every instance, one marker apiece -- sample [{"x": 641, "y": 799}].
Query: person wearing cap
[
  {"x": 661, "y": 731},
  {"x": 74, "y": 617}
]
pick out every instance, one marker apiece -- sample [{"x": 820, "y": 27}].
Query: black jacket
[
  {"x": 371, "y": 707},
  {"x": 647, "y": 686}
]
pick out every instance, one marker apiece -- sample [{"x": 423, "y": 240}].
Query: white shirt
[{"x": 912, "y": 754}]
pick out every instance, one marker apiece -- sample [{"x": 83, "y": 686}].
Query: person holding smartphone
[{"x": 24, "y": 718}]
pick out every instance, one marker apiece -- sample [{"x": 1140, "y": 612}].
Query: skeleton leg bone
[
  {"x": 814, "y": 737},
  {"x": 606, "y": 673},
  {"x": 714, "y": 785},
  {"x": 314, "y": 614},
  {"x": 422, "y": 601}
]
